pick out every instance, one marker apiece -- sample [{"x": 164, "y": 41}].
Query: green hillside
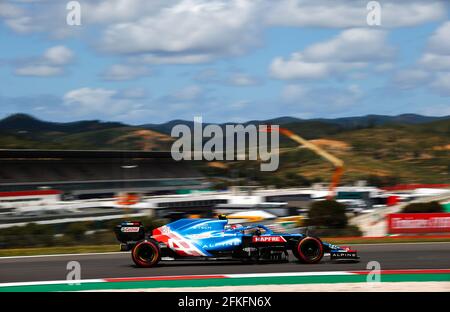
[
  {"x": 400, "y": 150},
  {"x": 383, "y": 155}
]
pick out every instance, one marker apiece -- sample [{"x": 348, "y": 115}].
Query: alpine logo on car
[
  {"x": 344, "y": 254},
  {"x": 268, "y": 239},
  {"x": 230, "y": 242}
]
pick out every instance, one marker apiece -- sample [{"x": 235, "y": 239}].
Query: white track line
[
  {"x": 52, "y": 282},
  {"x": 289, "y": 274}
]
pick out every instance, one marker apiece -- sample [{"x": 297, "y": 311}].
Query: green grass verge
[{"x": 57, "y": 250}]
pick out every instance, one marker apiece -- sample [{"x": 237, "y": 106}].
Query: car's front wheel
[
  {"x": 146, "y": 254},
  {"x": 309, "y": 250}
]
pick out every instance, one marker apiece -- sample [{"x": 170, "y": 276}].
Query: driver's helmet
[
  {"x": 222, "y": 217},
  {"x": 253, "y": 230}
]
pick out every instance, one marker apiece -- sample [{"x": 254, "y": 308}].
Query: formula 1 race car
[{"x": 215, "y": 239}]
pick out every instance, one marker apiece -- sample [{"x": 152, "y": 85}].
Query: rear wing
[{"x": 129, "y": 233}]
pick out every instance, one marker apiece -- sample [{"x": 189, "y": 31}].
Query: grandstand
[{"x": 90, "y": 174}]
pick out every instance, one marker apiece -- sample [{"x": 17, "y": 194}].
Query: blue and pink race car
[{"x": 215, "y": 239}]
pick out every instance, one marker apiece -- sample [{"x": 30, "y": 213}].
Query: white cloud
[
  {"x": 20, "y": 24},
  {"x": 58, "y": 55},
  {"x": 243, "y": 80},
  {"x": 199, "y": 31},
  {"x": 239, "y": 104},
  {"x": 299, "y": 13},
  {"x": 436, "y": 57},
  {"x": 51, "y": 63},
  {"x": 351, "y": 49},
  {"x": 439, "y": 42},
  {"x": 8, "y": 10},
  {"x": 403, "y": 14},
  {"x": 119, "y": 72},
  {"x": 188, "y": 93},
  {"x": 38, "y": 70},
  {"x": 411, "y": 78},
  {"x": 174, "y": 58},
  {"x": 233, "y": 78},
  {"x": 345, "y": 14},
  {"x": 134, "y": 105},
  {"x": 193, "y": 27},
  {"x": 135, "y": 93},
  {"x": 117, "y": 11},
  {"x": 352, "y": 45},
  {"x": 26, "y": 17},
  {"x": 383, "y": 67},
  {"x": 317, "y": 13},
  {"x": 208, "y": 75},
  {"x": 293, "y": 92},
  {"x": 441, "y": 84},
  {"x": 437, "y": 53},
  {"x": 314, "y": 100},
  {"x": 296, "y": 67},
  {"x": 436, "y": 62},
  {"x": 86, "y": 101},
  {"x": 128, "y": 105},
  {"x": 87, "y": 98}
]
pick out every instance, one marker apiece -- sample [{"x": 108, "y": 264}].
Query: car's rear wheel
[
  {"x": 309, "y": 250},
  {"x": 146, "y": 254}
]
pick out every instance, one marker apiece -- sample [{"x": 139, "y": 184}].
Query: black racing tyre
[
  {"x": 309, "y": 250},
  {"x": 146, "y": 254}
]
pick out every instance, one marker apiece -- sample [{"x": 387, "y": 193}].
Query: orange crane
[{"x": 337, "y": 163}]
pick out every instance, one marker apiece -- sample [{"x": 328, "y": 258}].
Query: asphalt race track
[{"x": 45, "y": 268}]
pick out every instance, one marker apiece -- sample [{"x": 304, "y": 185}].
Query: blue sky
[{"x": 149, "y": 61}]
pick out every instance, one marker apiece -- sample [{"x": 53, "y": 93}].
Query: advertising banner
[{"x": 418, "y": 223}]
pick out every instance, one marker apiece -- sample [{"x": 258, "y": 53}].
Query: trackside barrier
[{"x": 410, "y": 223}]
